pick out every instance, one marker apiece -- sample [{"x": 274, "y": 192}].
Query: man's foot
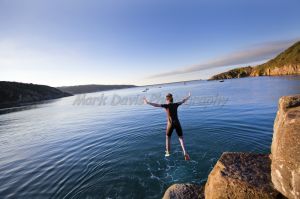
[
  {"x": 186, "y": 157},
  {"x": 167, "y": 154}
]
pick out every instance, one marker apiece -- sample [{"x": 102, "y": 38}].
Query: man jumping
[{"x": 173, "y": 121}]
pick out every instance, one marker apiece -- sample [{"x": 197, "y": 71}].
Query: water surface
[{"x": 59, "y": 150}]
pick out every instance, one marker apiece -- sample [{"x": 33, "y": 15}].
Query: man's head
[{"x": 169, "y": 98}]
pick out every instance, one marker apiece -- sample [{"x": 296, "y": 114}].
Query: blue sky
[{"x": 139, "y": 42}]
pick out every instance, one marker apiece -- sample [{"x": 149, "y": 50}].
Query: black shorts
[{"x": 174, "y": 125}]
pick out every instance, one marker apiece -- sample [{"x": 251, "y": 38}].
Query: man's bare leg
[
  {"x": 168, "y": 145},
  {"x": 186, "y": 155}
]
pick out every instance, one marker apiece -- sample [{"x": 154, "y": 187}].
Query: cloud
[{"x": 255, "y": 53}]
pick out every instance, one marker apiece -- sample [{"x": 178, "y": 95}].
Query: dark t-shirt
[{"x": 171, "y": 110}]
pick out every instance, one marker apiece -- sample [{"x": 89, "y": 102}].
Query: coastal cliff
[
  {"x": 234, "y": 73},
  {"x": 286, "y": 63},
  {"x": 248, "y": 175}
]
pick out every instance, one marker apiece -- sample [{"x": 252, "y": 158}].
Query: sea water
[{"x": 110, "y": 145}]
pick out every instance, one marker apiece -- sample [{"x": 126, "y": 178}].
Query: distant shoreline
[{"x": 92, "y": 88}]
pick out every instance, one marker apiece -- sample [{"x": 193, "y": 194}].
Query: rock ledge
[{"x": 241, "y": 175}]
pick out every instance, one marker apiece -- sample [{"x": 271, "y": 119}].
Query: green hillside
[
  {"x": 291, "y": 56},
  {"x": 286, "y": 63}
]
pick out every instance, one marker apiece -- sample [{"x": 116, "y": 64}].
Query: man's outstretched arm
[
  {"x": 150, "y": 103},
  {"x": 185, "y": 99}
]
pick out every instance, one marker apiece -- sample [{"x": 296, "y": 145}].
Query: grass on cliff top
[{"x": 287, "y": 57}]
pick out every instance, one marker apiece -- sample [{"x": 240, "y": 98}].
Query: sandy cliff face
[{"x": 289, "y": 69}]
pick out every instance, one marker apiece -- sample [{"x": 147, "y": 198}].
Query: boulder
[
  {"x": 183, "y": 191},
  {"x": 285, "y": 149},
  {"x": 241, "y": 175}
]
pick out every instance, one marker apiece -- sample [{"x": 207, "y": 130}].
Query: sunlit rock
[
  {"x": 241, "y": 175},
  {"x": 285, "y": 168},
  {"x": 183, "y": 191}
]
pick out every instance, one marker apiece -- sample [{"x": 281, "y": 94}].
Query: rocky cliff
[
  {"x": 255, "y": 176},
  {"x": 286, "y": 63},
  {"x": 286, "y": 147},
  {"x": 234, "y": 73}
]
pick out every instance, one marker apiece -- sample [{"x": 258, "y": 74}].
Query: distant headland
[
  {"x": 17, "y": 94},
  {"x": 91, "y": 88},
  {"x": 286, "y": 63}
]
